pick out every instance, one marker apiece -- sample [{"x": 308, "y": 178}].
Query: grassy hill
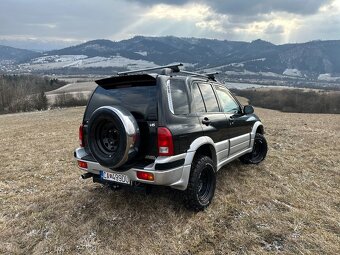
[{"x": 288, "y": 204}]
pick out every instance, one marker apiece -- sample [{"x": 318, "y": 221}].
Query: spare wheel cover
[{"x": 113, "y": 136}]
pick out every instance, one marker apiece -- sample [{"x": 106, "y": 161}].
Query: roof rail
[
  {"x": 210, "y": 76},
  {"x": 174, "y": 68}
]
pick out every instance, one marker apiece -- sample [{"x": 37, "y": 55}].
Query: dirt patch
[{"x": 288, "y": 204}]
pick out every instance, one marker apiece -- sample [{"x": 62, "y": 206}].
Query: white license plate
[{"x": 121, "y": 178}]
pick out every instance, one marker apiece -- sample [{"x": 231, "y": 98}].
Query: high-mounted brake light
[
  {"x": 81, "y": 135},
  {"x": 165, "y": 143}
]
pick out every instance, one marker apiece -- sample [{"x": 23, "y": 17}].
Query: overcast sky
[{"x": 57, "y": 23}]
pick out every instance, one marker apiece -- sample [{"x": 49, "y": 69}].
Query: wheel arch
[
  {"x": 202, "y": 146},
  {"x": 260, "y": 130},
  {"x": 257, "y": 128},
  {"x": 207, "y": 150}
]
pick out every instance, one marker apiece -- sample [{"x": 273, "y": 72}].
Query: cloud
[
  {"x": 274, "y": 29},
  {"x": 178, "y": 13},
  {"x": 79, "y": 19},
  {"x": 273, "y": 20},
  {"x": 163, "y": 19},
  {"x": 324, "y": 26},
  {"x": 67, "y": 21}
]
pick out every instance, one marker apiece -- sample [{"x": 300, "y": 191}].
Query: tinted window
[
  {"x": 209, "y": 98},
  {"x": 178, "y": 98},
  {"x": 197, "y": 98},
  {"x": 227, "y": 102},
  {"x": 141, "y": 101}
]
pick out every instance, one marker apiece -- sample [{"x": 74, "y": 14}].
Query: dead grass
[{"x": 289, "y": 204}]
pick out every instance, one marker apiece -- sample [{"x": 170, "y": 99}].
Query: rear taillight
[
  {"x": 81, "y": 135},
  {"x": 165, "y": 143}
]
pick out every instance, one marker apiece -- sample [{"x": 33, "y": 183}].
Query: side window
[
  {"x": 209, "y": 98},
  {"x": 177, "y": 96},
  {"x": 227, "y": 102},
  {"x": 197, "y": 98}
]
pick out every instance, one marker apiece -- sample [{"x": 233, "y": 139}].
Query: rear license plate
[{"x": 115, "y": 177}]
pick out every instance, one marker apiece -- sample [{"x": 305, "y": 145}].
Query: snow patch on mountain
[
  {"x": 57, "y": 58},
  {"x": 270, "y": 74},
  {"x": 328, "y": 77},
  {"x": 142, "y": 53},
  {"x": 82, "y": 61},
  {"x": 292, "y": 72}
]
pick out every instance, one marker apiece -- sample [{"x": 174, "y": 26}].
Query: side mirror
[{"x": 248, "y": 109}]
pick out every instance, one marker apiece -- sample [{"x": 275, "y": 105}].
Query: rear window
[
  {"x": 177, "y": 96},
  {"x": 140, "y": 100}
]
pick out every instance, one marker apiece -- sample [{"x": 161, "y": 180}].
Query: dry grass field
[{"x": 289, "y": 204}]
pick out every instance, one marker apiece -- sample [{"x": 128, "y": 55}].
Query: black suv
[{"x": 174, "y": 129}]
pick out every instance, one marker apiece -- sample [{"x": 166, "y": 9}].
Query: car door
[
  {"x": 240, "y": 124},
  {"x": 213, "y": 120}
]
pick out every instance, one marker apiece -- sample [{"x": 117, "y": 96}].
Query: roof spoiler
[{"x": 115, "y": 81}]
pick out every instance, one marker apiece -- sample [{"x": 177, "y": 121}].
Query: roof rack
[
  {"x": 210, "y": 76},
  {"x": 174, "y": 68}
]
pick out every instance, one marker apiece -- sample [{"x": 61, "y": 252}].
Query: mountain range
[
  {"x": 16, "y": 55},
  {"x": 308, "y": 60}
]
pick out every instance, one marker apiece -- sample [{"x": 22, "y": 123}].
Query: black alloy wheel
[
  {"x": 259, "y": 153},
  {"x": 107, "y": 137}
]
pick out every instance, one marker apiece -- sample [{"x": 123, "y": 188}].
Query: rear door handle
[{"x": 206, "y": 121}]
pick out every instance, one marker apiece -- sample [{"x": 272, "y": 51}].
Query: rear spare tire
[{"x": 113, "y": 136}]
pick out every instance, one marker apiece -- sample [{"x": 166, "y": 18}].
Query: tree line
[
  {"x": 293, "y": 100},
  {"x": 21, "y": 93},
  {"x": 69, "y": 100}
]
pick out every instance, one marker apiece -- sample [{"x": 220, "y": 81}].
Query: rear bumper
[{"x": 176, "y": 177}]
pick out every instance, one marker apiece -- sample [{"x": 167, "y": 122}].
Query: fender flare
[
  {"x": 194, "y": 146},
  {"x": 257, "y": 124}
]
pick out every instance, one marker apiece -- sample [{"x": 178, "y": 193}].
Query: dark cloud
[
  {"x": 153, "y": 2},
  {"x": 246, "y": 7},
  {"x": 245, "y": 19},
  {"x": 251, "y": 7}
]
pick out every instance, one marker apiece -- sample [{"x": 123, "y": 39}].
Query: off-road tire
[
  {"x": 259, "y": 152},
  {"x": 202, "y": 183}
]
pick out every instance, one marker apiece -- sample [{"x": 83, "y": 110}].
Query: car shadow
[{"x": 156, "y": 199}]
